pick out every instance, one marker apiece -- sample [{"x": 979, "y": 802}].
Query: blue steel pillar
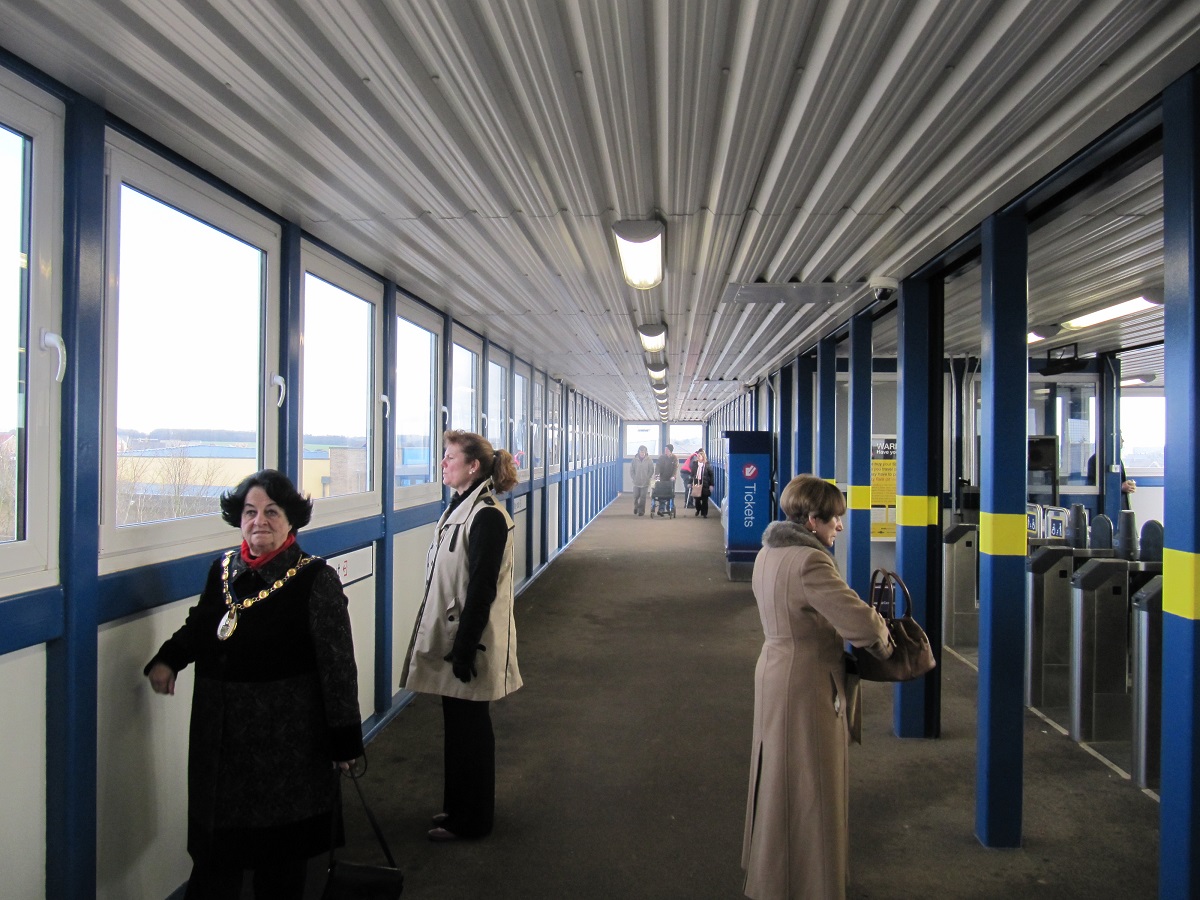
[
  {"x": 803, "y": 445},
  {"x": 785, "y": 430},
  {"x": 1179, "y": 828},
  {"x": 858, "y": 457},
  {"x": 72, "y": 659},
  {"x": 1002, "y": 535},
  {"x": 827, "y": 410},
  {"x": 916, "y": 705},
  {"x": 1108, "y": 454}
]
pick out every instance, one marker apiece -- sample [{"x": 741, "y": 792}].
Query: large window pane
[
  {"x": 537, "y": 432},
  {"x": 413, "y": 408},
  {"x": 521, "y": 422},
  {"x": 188, "y": 360},
  {"x": 465, "y": 392},
  {"x": 686, "y": 439},
  {"x": 338, "y": 396},
  {"x": 497, "y": 403},
  {"x": 554, "y": 428},
  {"x": 1144, "y": 433},
  {"x": 14, "y": 303},
  {"x": 641, "y": 434}
]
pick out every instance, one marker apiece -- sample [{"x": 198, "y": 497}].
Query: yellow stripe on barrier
[
  {"x": 859, "y": 496},
  {"x": 919, "y": 512},
  {"x": 1003, "y": 534},
  {"x": 1181, "y": 576}
]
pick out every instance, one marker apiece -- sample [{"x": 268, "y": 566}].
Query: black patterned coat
[{"x": 273, "y": 706}]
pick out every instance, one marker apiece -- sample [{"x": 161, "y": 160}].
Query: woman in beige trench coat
[{"x": 797, "y": 834}]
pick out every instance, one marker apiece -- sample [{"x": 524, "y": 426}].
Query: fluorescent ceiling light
[
  {"x": 657, "y": 373},
  {"x": 1033, "y": 337},
  {"x": 653, "y": 337},
  {"x": 1129, "y": 307},
  {"x": 1041, "y": 333},
  {"x": 1132, "y": 380},
  {"x": 659, "y": 389},
  {"x": 640, "y": 246}
]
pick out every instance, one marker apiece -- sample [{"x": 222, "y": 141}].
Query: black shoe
[
  {"x": 442, "y": 836},
  {"x": 441, "y": 819}
]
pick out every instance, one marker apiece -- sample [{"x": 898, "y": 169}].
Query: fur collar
[{"x": 789, "y": 534}]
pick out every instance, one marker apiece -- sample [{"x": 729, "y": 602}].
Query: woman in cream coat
[
  {"x": 797, "y": 835},
  {"x": 464, "y": 647}
]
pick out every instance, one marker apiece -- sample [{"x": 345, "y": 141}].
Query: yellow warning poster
[{"x": 883, "y": 487}]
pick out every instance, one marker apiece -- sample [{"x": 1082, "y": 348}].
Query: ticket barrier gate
[
  {"x": 1147, "y": 684},
  {"x": 1101, "y": 699},
  {"x": 960, "y": 586},
  {"x": 1048, "y": 574},
  {"x": 1052, "y": 562}
]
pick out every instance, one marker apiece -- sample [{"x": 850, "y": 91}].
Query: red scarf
[{"x": 257, "y": 562}]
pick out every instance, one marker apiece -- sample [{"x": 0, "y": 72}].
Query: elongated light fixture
[
  {"x": 1133, "y": 380},
  {"x": 1129, "y": 307},
  {"x": 653, "y": 337},
  {"x": 640, "y": 246}
]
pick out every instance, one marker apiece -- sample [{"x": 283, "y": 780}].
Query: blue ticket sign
[{"x": 748, "y": 505}]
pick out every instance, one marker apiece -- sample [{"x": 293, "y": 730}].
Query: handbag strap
[
  {"x": 337, "y": 817},
  {"x": 884, "y": 587}
]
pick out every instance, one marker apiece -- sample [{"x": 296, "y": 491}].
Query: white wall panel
[{"x": 23, "y": 761}]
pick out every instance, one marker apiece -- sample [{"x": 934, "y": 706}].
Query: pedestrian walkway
[{"x": 622, "y": 764}]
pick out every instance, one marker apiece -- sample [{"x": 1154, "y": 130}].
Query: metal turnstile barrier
[
  {"x": 1048, "y": 627},
  {"x": 1147, "y": 683},
  {"x": 960, "y": 586},
  {"x": 1100, "y": 700}
]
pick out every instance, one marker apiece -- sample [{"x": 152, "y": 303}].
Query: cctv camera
[{"x": 883, "y": 287}]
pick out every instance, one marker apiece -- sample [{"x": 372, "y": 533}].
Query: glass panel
[
  {"x": 1144, "y": 434},
  {"x": 338, "y": 397},
  {"x": 536, "y": 434},
  {"x": 188, "y": 362},
  {"x": 465, "y": 392},
  {"x": 1076, "y": 414},
  {"x": 416, "y": 365},
  {"x": 686, "y": 438},
  {"x": 554, "y": 429},
  {"x": 14, "y": 244},
  {"x": 521, "y": 422},
  {"x": 14, "y": 310},
  {"x": 497, "y": 403}
]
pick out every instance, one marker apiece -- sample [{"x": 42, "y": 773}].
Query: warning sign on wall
[{"x": 883, "y": 487}]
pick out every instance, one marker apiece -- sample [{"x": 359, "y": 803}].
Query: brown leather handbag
[{"x": 913, "y": 656}]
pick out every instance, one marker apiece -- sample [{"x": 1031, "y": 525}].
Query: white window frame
[
  {"x": 33, "y": 562},
  {"x": 501, "y": 359},
  {"x": 468, "y": 341},
  {"x": 130, "y": 163},
  {"x": 525, "y": 371},
  {"x": 555, "y": 388},
  {"x": 418, "y": 494},
  {"x": 329, "y": 268}
]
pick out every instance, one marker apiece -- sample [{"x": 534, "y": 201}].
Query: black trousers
[
  {"x": 277, "y": 881},
  {"x": 469, "y": 795},
  {"x": 702, "y": 507}
]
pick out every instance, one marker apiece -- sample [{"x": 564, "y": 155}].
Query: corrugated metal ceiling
[{"x": 478, "y": 152}]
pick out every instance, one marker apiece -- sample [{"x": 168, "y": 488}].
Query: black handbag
[
  {"x": 913, "y": 656},
  {"x": 356, "y": 881}
]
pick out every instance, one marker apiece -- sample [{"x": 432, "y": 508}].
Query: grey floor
[{"x": 622, "y": 764}]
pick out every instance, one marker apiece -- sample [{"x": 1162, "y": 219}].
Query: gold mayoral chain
[{"x": 230, "y": 620}]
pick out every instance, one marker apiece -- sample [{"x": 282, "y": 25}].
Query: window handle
[
  {"x": 281, "y": 383},
  {"x": 445, "y": 419},
  {"x": 387, "y": 406},
  {"x": 54, "y": 339}
]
